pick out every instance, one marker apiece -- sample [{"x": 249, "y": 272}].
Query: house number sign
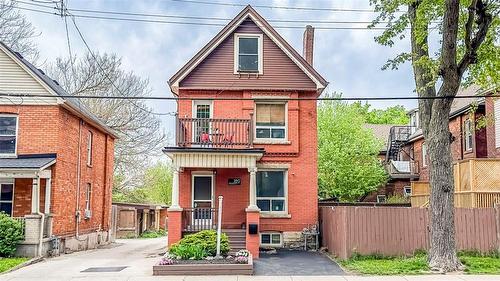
[{"x": 234, "y": 181}]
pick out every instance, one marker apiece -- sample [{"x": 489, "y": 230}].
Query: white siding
[
  {"x": 15, "y": 80},
  {"x": 497, "y": 122}
]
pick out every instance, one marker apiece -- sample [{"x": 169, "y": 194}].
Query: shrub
[
  {"x": 206, "y": 239},
  {"x": 153, "y": 233},
  {"x": 189, "y": 252},
  {"x": 11, "y": 233},
  {"x": 397, "y": 199}
]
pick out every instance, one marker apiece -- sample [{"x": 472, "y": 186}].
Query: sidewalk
[{"x": 322, "y": 278}]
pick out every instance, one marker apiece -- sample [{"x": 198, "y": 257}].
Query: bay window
[
  {"x": 270, "y": 121},
  {"x": 271, "y": 191}
]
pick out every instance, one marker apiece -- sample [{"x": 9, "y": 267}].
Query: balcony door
[
  {"x": 201, "y": 128},
  {"x": 202, "y": 198}
]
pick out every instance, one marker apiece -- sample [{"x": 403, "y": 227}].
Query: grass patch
[
  {"x": 378, "y": 265},
  {"x": 475, "y": 263},
  {"x": 153, "y": 234},
  {"x": 8, "y": 263}
]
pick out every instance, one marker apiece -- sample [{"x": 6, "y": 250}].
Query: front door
[
  {"x": 201, "y": 129},
  {"x": 202, "y": 199}
]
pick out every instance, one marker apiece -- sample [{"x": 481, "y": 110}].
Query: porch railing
[
  {"x": 215, "y": 133},
  {"x": 402, "y": 167},
  {"x": 21, "y": 220},
  {"x": 198, "y": 219}
]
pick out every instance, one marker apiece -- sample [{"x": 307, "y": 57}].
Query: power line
[
  {"x": 279, "y": 7},
  {"x": 19, "y": 95}
]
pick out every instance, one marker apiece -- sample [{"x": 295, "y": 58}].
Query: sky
[{"x": 349, "y": 59}]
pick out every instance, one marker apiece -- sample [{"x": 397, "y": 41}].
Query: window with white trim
[
  {"x": 88, "y": 196},
  {"x": 271, "y": 191},
  {"x": 8, "y": 135},
  {"x": 381, "y": 198},
  {"x": 407, "y": 191},
  {"x": 496, "y": 106},
  {"x": 6, "y": 197},
  {"x": 270, "y": 121},
  {"x": 424, "y": 154},
  {"x": 248, "y": 53},
  {"x": 271, "y": 239},
  {"x": 90, "y": 140},
  {"x": 468, "y": 134}
]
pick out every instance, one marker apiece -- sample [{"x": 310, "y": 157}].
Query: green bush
[
  {"x": 190, "y": 252},
  {"x": 206, "y": 240},
  {"x": 153, "y": 233},
  {"x": 11, "y": 233}
]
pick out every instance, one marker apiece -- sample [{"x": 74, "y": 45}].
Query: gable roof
[
  {"x": 381, "y": 132},
  {"x": 72, "y": 104},
  {"x": 247, "y": 12}
]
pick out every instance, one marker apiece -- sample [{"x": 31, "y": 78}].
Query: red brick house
[
  {"x": 56, "y": 162},
  {"x": 259, "y": 150}
]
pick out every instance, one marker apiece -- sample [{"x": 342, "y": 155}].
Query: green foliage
[
  {"x": 397, "y": 199},
  {"x": 153, "y": 233},
  {"x": 8, "y": 263},
  {"x": 189, "y": 251},
  {"x": 348, "y": 166},
  {"x": 206, "y": 239},
  {"x": 11, "y": 233},
  {"x": 481, "y": 265},
  {"x": 395, "y": 115},
  {"x": 380, "y": 265},
  {"x": 155, "y": 189}
]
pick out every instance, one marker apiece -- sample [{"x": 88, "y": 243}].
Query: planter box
[{"x": 205, "y": 269}]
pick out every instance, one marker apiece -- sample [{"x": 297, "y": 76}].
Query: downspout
[
  {"x": 42, "y": 220},
  {"x": 78, "y": 174},
  {"x": 105, "y": 182}
]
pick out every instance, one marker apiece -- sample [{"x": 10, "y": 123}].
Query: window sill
[
  {"x": 274, "y": 215},
  {"x": 8, "y": 156},
  {"x": 271, "y": 141}
]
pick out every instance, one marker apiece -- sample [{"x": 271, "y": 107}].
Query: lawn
[
  {"x": 378, "y": 265},
  {"x": 8, "y": 263}
]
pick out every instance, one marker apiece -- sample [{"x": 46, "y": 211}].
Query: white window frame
[
  {"x": 496, "y": 113},
  {"x": 88, "y": 196},
  {"x": 208, "y": 174},
  {"x": 271, "y": 244},
  {"x": 468, "y": 135},
  {"x": 285, "y": 193},
  {"x": 260, "y": 40},
  {"x": 9, "y": 181},
  {"x": 90, "y": 143},
  {"x": 271, "y": 127},
  {"x": 7, "y": 155},
  {"x": 381, "y": 196},
  {"x": 405, "y": 188},
  {"x": 424, "y": 154}
]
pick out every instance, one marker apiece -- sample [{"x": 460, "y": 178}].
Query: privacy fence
[{"x": 401, "y": 231}]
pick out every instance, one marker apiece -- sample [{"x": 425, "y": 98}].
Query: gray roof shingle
[{"x": 27, "y": 162}]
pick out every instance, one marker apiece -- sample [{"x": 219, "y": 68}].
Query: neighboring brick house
[
  {"x": 56, "y": 162},
  {"x": 400, "y": 169},
  {"x": 258, "y": 151}
]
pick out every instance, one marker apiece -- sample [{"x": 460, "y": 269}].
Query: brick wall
[{"x": 53, "y": 129}]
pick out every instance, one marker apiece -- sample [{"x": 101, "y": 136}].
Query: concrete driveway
[{"x": 137, "y": 256}]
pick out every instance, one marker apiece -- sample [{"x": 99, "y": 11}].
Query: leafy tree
[
  {"x": 348, "y": 166},
  {"x": 466, "y": 33},
  {"x": 395, "y": 115},
  {"x": 16, "y": 31}
]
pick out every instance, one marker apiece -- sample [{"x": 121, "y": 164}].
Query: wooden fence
[
  {"x": 402, "y": 231},
  {"x": 477, "y": 185}
]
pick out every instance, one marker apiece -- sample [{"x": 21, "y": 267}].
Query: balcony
[
  {"x": 214, "y": 133},
  {"x": 402, "y": 169}
]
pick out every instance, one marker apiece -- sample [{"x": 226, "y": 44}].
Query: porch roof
[{"x": 32, "y": 161}]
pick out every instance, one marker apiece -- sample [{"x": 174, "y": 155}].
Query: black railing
[
  {"x": 398, "y": 136},
  {"x": 216, "y": 133}
]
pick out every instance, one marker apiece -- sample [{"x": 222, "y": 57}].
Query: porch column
[
  {"x": 175, "y": 190},
  {"x": 48, "y": 187},
  {"x": 252, "y": 205},
  {"x": 35, "y": 196},
  {"x": 174, "y": 212}
]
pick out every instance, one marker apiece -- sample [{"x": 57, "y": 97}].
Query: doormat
[{"x": 105, "y": 269}]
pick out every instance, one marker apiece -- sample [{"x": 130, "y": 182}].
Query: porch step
[{"x": 237, "y": 239}]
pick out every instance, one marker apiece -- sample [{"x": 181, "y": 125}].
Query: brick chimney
[{"x": 308, "y": 46}]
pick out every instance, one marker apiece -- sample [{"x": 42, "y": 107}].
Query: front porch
[
  {"x": 26, "y": 185},
  {"x": 201, "y": 177}
]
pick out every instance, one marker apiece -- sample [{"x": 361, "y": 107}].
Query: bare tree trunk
[{"x": 442, "y": 254}]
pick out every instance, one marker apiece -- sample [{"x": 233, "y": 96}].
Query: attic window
[{"x": 248, "y": 53}]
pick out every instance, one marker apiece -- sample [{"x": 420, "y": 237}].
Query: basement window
[
  {"x": 381, "y": 198},
  {"x": 248, "y": 53},
  {"x": 407, "y": 191},
  {"x": 271, "y": 239},
  {"x": 8, "y": 135}
]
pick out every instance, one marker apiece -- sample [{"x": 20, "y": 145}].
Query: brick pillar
[
  {"x": 253, "y": 240},
  {"x": 174, "y": 226}
]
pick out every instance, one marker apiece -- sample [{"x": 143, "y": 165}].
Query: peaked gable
[{"x": 223, "y": 41}]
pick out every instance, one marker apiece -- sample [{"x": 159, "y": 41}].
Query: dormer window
[
  {"x": 8, "y": 135},
  {"x": 248, "y": 53}
]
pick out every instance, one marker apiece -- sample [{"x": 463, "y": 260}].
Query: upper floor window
[
  {"x": 248, "y": 53},
  {"x": 270, "y": 121},
  {"x": 424, "y": 154},
  {"x": 88, "y": 196},
  {"x": 497, "y": 122},
  {"x": 8, "y": 135},
  {"x": 90, "y": 139},
  {"x": 468, "y": 134},
  {"x": 271, "y": 191}
]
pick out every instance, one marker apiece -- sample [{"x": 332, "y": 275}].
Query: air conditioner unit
[{"x": 88, "y": 214}]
